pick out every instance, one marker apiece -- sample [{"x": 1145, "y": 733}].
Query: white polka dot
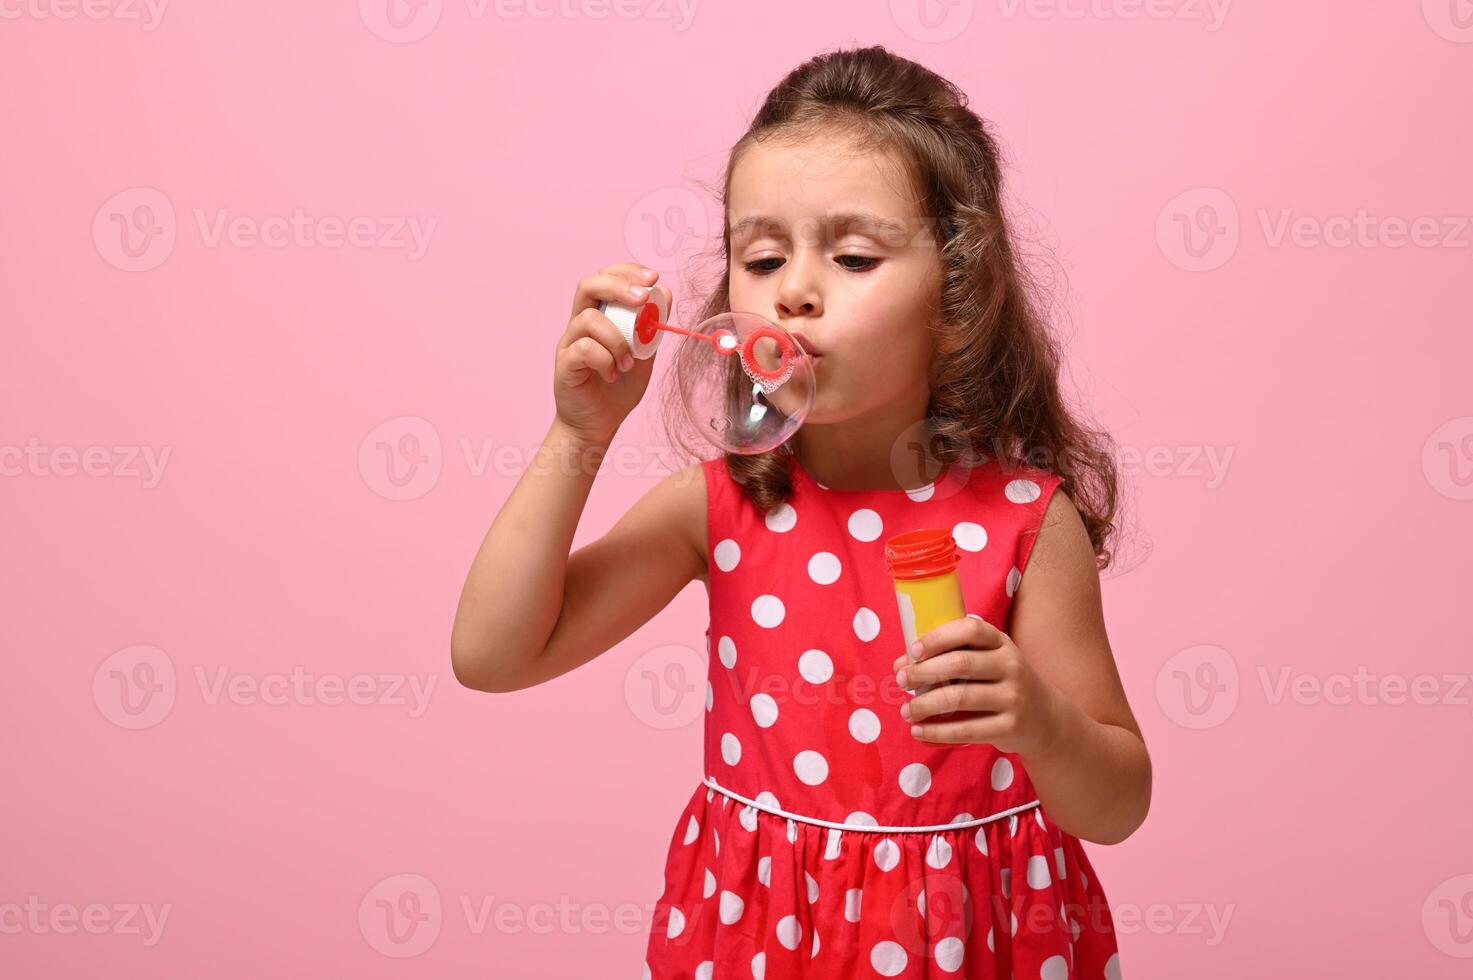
[
  {"x": 865, "y": 524},
  {"x": 864, "y": 725},
  {"x": 716, "y": 839},
  {"x": 866, "y": 624},
  {"x": 1054, "y": 968},
  {"x": 981, "y": 838},
  {"x": 812, "y": 887},
  {"x": 710, "y": 697},
  {"x": 1038, "y": 876},
  {"x": 970, "y": 536},
  {"x": 888, "y": 958},
  {"x": 767, "y": 611},
  {"x": 765, "y": 798},
  {"x": 815, "y": 666},
  {"x": 811, "y": 767},
  {"x": 732, "y": 907},
  {"x": 731, "y": 749},
  {"x": 792, "y": 831},
  {"x": 887, "y": 854},
  {"x": 1059, "y": 862},
  {"x": 989, "y": 939},
  {"x": 1005, "y": 877},
  {"x": 727, "y": 553},
  {"x": 915, "y": 779},
  {"x": 1014, "y": 577},
  {"x": 831, "y": 848},
  {"x": 824, "y": 568},
  {"x": 764, "y": 871},
  {"x": 748, "y": 818},
  {"x": 703, "y": 972},
  {"x": 1112, "y": 967},
  {"x": 949, "y": 954},
  {"x": 938, "y": 855},
  {"x": 759, "y": 966},
  {"x": 1013, "y": 924},
  {"x": 710, "y": 886},
  {"x": 1002, "y": 774},
  {"x": 789, "y": 931},
  {"x": 764, "y": 710},
  {"x": 781, "y": 518},
  {"x": 676, "y": 924},
  {"x": 853, "y": 898},
  {"x": 726, "y": 651},
  {"x": 692, "y": 829},
  {"x": 1022, "y": 491}
]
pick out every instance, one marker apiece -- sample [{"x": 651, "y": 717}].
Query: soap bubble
[{"x": 746, "y": 384}]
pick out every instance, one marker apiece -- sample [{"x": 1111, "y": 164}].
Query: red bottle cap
[{"x": 921, "y": 553}]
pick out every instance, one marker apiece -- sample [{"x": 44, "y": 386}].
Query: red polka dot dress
[{"x": 825, "y": 840}]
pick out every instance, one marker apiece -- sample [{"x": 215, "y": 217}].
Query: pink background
[{"x": 1325, "y": 823}]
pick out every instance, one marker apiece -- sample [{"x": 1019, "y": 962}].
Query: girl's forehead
[
  {"x": 817, "y": 169},
  {"x": 774, "y": 187}
]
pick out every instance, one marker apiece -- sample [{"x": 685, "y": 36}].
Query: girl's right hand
[{"x": 597, "y": 380}]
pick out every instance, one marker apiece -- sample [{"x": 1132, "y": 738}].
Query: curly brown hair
[{"x": 994, "y": 377}]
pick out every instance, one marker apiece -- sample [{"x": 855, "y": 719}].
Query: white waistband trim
[{"x": 959, "y": 825}]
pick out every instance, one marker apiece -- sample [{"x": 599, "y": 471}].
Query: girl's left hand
[{"x": 1023, "y": 712}]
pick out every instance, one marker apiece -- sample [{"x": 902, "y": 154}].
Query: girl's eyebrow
[{"x": 863, "y": 222}]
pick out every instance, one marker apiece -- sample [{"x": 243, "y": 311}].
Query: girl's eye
[{"x": 760, "y": 268}]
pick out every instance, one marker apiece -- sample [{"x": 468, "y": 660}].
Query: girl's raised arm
[{"x": 528, "y": 610}]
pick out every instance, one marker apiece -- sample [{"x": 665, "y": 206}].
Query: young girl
[{"x": 867, "y": 810}]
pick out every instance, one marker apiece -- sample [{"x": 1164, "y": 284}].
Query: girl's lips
[{"x": 806, "y": 344}]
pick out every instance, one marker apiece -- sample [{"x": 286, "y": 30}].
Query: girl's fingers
[
  {"x": 964, "y": 631},
  {"x": 594, "y": 324},
  {"x": 588, "y": 354},
  {"x": 633, "y": 271},
  {"x": 949, "y": 698},
  {"x": 626, "y": 288},
  {"x": 964, "y": 664}
]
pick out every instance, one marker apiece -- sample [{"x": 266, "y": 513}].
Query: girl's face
[{"x": 827, "y": 242}]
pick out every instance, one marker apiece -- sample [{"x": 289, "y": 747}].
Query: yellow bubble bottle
[{"x": 923, "y": 564}]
